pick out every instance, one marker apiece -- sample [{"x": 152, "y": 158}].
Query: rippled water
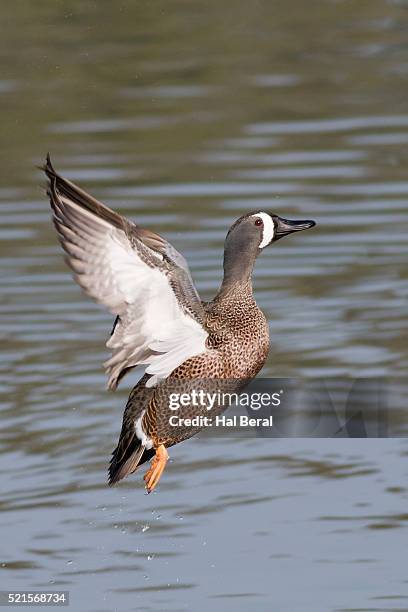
[{"x": 184, "y": 116}]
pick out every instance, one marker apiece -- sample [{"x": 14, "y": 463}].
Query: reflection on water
[{"x": 184, "y": 117}]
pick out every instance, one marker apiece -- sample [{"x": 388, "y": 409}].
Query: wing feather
[{"x": 137, "y": 275}]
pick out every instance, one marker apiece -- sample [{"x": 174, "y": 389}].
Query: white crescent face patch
[{"x": 268, "y": 229}]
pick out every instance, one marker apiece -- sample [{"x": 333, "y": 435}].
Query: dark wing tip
[
  {"x": 52, "y": 177},
  {"x": 59, "y": 186},
  {"x": 48, "y": 168},
  {"x": 48, "y": 164}
]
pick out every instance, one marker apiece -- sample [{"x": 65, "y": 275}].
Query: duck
[{"x": 160, "y": 322}]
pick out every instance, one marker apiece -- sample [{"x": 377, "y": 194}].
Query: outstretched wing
[{"x": 137, "y": 275}]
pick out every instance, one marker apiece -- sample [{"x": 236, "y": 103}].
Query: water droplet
[
  {"x": 69, "y": 562},
  {"x": 146, "y": 577}
]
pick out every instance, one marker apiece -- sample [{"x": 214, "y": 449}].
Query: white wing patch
[
  {"x": 156, "y": 332},
  {"x": 153, "y": 328},
  {"x": 268, "y": 229}
]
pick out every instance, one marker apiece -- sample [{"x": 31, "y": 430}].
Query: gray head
[{"x": 249, "y": 235}]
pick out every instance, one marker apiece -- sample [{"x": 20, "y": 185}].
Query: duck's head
[
  {"x": 257, "y": 230},
  {"x": 248, "y": 236}
]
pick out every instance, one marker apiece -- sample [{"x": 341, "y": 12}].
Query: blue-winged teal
[{"x": 160, "y": 320}]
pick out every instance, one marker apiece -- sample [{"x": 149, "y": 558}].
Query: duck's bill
[{"x": 284, "y": 227}]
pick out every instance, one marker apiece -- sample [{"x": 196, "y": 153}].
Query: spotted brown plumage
[{"x": 161, "y": 322}]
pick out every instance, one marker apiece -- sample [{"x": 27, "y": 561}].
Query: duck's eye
[{"x": 258, "y": 222}]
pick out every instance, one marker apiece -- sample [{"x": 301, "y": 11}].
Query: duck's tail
[
  {"x": 129, "y": 454},
  {"x": 121, "y": 466}
]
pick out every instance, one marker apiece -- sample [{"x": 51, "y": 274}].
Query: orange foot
[{"x": 153, "y": 474}]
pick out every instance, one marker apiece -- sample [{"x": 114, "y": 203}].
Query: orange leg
[{"x": 153, "y": 474}]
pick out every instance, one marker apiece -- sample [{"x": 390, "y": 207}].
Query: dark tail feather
[
  {"x": 126, "y": 462},
  {"x": 120, "y": 467}
]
